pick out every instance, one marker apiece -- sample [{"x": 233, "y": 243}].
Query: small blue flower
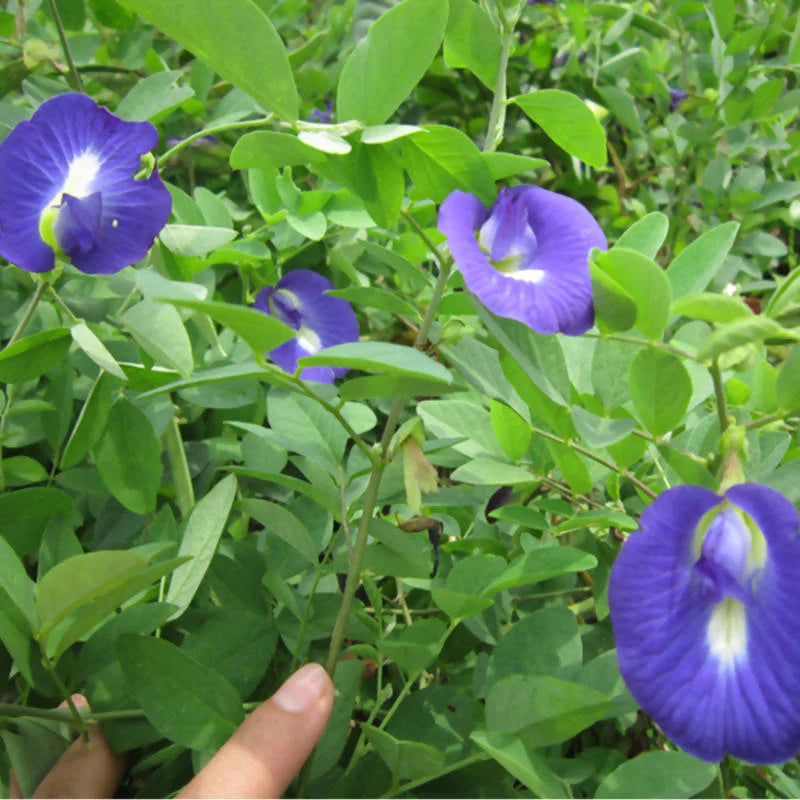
[
  {"x": 676, "y": 98},
  {"x": 68, "y": 184},
  {"x": 530, "y": 261},
  {"x": 702, "y": 601},
  {"x": 325, "y": 116},
  {"x": 299, "y": 300}
]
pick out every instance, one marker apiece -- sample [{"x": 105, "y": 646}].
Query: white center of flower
[
  {"x": 81, "y": 175},
  {"x": 727, "y": 631},
  {"x": 308, "y": 340},
  {"x": 528, "y": 275}
]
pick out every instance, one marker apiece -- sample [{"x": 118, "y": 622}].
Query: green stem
[
  {"x": 176, "y": 455},
  {"x": 765, "y": 420},
  {"x": 77, "y": 721},
  {"x": 424, "y": 236},
  {"x": 62, "y": 35},
  {"x": 210, "y": 131},
  {"x": 41, "y": 286},
  {"x": 616, "y": 337},
  {"x": 67, "y": 310},
  {"x": 656, "y": 441},
  {"x": 497, "y": 115},
  {"x": 719, "y": 393},
  {"x": 455, "y": 766},
  {"x": 66, "y": 715},
  {"x": 599, "y": 459}
]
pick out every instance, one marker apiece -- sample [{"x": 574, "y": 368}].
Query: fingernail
[{"x": 302, "y": 691}]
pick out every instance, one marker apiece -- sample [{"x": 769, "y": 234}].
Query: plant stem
[
  {"x": 455, "y": 766},
  {"x": 424, "y": 236},
  {"x": 497, "y": 115},
  {"x": 78, "y": 722},
  {"x": 768, "y": 419},
  {"x": 719, "y": 393},
  {"x": 64, "y": 306},
  {"x": 176, "y": 455},
  {"x": 616, "y": 337},
  {"x": 656, "y": 441},
  {"x": 26, "y": 318},
  {"x": 66, "y": 715},
  {"x": 599, "y": 459},
  {"x": 62, "y": 35},
  {"x": 210, "y": 131}
]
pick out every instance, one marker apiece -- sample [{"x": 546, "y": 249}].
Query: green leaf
[
  {"x": 25, "y": 513},
  {"x": 406, "y": 759},
  {"x": 203, "y": 530},
  {"x": 417, "y": 645},
  {"x": 159, "y": 331},
  {"x": 600, "y": 431},
  {"x": 381, "y": 357},
  {"x": 315, "y": 493},
  {"x": 195, "y": 240},
  {"x": 465, "y": 581},
  {"x": 541, "y": 565},
  {"x": 659, "y": 773},
  {"x": 261, "y": 331},
  {"x": 184, "y": 700},
  {"x": 646, "y": 235},
  {"x": 524, "y": 763},
  {"x": 646, "y": 284},
  {"x": 128, "y": 457},
  {"x": 390, "y": 60},
  {"x": 270, "y": 150},
  {"x": 512, "y": 432},
  {"x": 153, "y": 95},
  {"x": 615, "y": 310},
  {"x": 280, "y": 522},
  {"x": 84, "y": 337},
  {"x": 444, "y": 159},
  {"x": 375, "y": 297},
  {"x": 81, "y": 579},
  {"x": 568, "y": 121},
  {"x": 472, "y": 41},
  {"x": 381, "y": 134},
  {"x": 28, "y": 358},
  {"x": 741, "y": 332},
  {"x": 523, "y": 516},
  {"x": 374, "y": 386},
  {"x": 695, "y": 267},
  {"x": 19, "y": 587},
  {"x": 506, "y": 165},
  {"x": 542, "y": 710},
  {"x": 787, "y": 385},
  {"x": 711, "y": 307},
  {"x": 490, "y": 472},
  {"x": 660, "y": 389},
  {"x": 90, "y": 424},
  {"x": 236, "y": 39}
]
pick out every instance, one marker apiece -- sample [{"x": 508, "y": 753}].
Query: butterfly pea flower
[
  {"x": 299, "y": 299},
  {"x": 527, "y": 257},
  {"x": 702, "y": 600},
  {"x": 69, "y": 187}
]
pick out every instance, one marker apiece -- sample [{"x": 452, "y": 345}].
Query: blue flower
[
  {"x": 68, "y": 185},
  {"x": 702, "y": 601},
  {"x": 676, "y": 98},
  {"x": 530, "y": 261},
  {"x": 322, "y": 116},
  {"x": 299, "y": 300}
]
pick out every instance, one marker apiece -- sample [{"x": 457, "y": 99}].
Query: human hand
[{"x": 259, "y": 760}]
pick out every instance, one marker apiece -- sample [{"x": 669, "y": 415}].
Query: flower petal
[
  {"x": 72, "y": 145},
  {"x": 717, "y": 676},
  {"x": 553, "y": 292}
]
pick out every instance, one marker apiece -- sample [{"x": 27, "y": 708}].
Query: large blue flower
[
  {"x": 530, "y": 260},
  {"x": 68, "y": 174},
  {"x": 702, "y": 602},
  {"x": 299, "y": 300}
]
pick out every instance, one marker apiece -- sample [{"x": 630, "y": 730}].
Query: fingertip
[{"x": 310, "y": 688}]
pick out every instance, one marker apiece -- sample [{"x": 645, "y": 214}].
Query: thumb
[{"x": 271, "y": 745}]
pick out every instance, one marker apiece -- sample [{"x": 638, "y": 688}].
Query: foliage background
[{"x": 137, "y": 432}]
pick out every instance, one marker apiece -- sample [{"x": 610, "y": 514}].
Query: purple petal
[
  {"x": 78, "y": 222},
  {"x": 320, "y": 320},
  {"x": 550, "y": 234},
  {"x": 73, "y": 146},
  {"x": 740, "y": 698}
]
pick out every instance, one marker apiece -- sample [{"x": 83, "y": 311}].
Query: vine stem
[
  {"x": 616, "y": 337},
  {"x": 210, "y": 131},
  {"x": 176, "y": 454},
  {"x": 41, "y": 287},
  {"x": 497, "y": 115},
  {"x": 599, "y": 459},
  {"x": 457, "y": 765},
  {"x": 62, "y": 35},
  {"x": 719, "y": 393}
]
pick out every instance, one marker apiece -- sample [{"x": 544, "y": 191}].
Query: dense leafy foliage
[{"x": 184, "y": 522}]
